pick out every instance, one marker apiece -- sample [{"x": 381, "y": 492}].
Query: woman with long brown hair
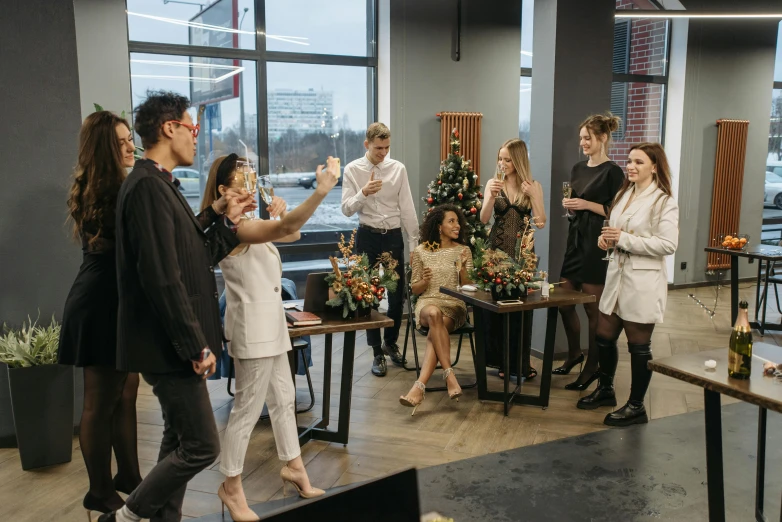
[
  {"x": 644, "y": 228},
  {"x": 88, "y": 338},
  {"x": 593, "y": 184},
  {"x": 511, "y": 197}
]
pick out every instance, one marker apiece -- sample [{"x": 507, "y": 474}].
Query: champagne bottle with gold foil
[{"x": 740, "y": 351}]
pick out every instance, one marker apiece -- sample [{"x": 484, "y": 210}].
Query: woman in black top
[
  {"x": 510, "y": 201},
  {"x": 594, "y": 183}
]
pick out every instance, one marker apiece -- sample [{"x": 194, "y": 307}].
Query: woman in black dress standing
[
  {"x": 594, "y": 183},
  {"x": 88, "y": 337},
  {"x": 510, "y": 201}
]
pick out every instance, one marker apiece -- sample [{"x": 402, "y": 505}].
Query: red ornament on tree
[
  {"x": 440, "y": 182},
  {"x": 498, "y": 281},
  {"x": 430, "y": 200},
  {"x": 473, "y": 210},
  {"x": 460, "y": 196}
]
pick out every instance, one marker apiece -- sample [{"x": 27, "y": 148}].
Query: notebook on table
[{"x": 296, "y": 318}]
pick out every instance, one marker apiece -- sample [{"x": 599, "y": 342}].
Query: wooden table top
[
  {"x": 334, "y": 323},
  {"x": 765, "y": 252},
  {"x": 558, "y": 297},
  {"x": 758, "y": 389}
]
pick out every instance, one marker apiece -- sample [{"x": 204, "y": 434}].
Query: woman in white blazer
[
  {"x": 256, "y": 327},
  {"x": 644, "y": 226}
]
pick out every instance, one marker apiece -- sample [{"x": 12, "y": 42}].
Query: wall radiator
[
  {"x": 469, "y": 126},
  {"x": 728, "y": 180}
]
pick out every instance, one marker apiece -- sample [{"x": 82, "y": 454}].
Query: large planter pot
[
  {"x": 7, "y": 429},
  {"x": 42, "y": 403}
]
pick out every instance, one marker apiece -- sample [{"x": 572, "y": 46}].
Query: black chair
[
  {"x": 298, "y": 345},
  {"x": 466, "y": 329}
]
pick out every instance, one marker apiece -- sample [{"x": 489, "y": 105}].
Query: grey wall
[
  {"x": 102, "y": 50},
  {"x": 730, "y": 67},
  {"x": 424, "y": 80},
  {"x": 38, "y": 146}
]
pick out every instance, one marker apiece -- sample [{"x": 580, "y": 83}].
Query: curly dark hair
[
  {"x": 158, "y": 108},
  {"x": 430, "y": 227},
  {"x": 97, "y": 177}
]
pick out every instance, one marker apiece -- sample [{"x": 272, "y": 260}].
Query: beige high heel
[
  {"x": 405, "y": 400},
  {"x": 235, "y": 515},
  {"x": 458, "y": 393},
  {"x": 287, "y": 476}
]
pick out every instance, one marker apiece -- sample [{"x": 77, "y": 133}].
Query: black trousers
[
  {"x": 373, "y": 244},
  {"x": 190, "y": 444}
]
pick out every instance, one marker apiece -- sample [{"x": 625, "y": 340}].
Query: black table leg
[
  {"x": 506, "y": 359},
  {"x": 326, "y": 407},
  {"x": 734, "y": 289},
  {"x": 761, "y": 468},
  {"x": 548, "y": 355},
  {"x": 757, "y": 292},
  {"x": 765, "y": 297},
  {"x": 715, "y": 483},
  {"x": 479, "y": 361}
]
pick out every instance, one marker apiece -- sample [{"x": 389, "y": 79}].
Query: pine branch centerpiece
[
  {"x": 354, "y": 285},
  {"x": 506, "y": 276},
  {"x": 458, "y": 184}
]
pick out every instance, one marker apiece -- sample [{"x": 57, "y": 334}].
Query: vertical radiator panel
[
  {"x": 728, "y": 181},
  {"x": 469, "y": 126}
]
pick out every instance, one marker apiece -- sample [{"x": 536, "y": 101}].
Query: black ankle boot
[
  {"x": 631, "y": 413},
  {"x": 604, "y": 394}
]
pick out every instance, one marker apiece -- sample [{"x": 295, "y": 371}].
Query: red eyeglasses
[{"x": 194, "y": 129}]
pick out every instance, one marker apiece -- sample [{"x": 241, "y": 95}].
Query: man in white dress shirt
[{"x": 377, "y": 188}]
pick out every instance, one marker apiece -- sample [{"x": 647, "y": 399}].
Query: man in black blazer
[{"x": 169, "y": 323}]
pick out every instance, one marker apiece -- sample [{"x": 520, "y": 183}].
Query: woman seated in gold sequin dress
[{"x": 441, "y": 259}]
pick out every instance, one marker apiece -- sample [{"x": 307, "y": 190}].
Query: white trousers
[{"x": 257, "y": 381}]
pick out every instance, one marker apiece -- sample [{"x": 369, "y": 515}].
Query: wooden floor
[{"x": 383, "y": 435}]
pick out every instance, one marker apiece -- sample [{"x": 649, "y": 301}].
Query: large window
[
  {"x": 640, "y": 67},
  {"x": 525, "y": 81},
  {"x": 312, "y": 76},
  {"x": 772, "y": 201}
]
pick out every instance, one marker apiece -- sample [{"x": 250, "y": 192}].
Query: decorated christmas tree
[{"x": 458, "y": 184}]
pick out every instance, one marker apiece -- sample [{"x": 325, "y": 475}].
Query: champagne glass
[
  {"x": 250, "y": 181},
  {"x": 567, "y": 192},
  {"x": 610, "y": 250},
  {"x": 266, "y": 189},
  {"x": 500, "y": 176}
]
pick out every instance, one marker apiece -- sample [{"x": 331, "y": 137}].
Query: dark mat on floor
[{"x": 651, "y": 472}]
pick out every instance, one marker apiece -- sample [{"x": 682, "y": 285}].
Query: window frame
[{"x": 262, "y": 57}]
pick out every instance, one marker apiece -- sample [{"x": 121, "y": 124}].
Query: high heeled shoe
[
  {"x": 92, "y": 503},
  {"x": 405, "y": 400},
  {"x": 575, "y": 385},
  {"x": 456, "y": 394},
  {"x": 287, "y": 476},
  {"x": 233, "y": 510},
  {"x": 565, "y": 368}
]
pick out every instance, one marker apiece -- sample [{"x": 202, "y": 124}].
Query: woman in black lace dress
[
  {"x": 594, "y": 183},
  {"x": 88, "y": 338},
  {"x": 510, "y": 201}
]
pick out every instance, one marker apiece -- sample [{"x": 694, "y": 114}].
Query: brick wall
[{"x": 643, "y": 121}]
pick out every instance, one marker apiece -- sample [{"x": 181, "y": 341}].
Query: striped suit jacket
[{"x": 168, "y": 301}]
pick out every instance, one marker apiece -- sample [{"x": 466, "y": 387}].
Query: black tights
[
  {"x": 639, "y": 337},
  {"x": 573, "y": 326},
  {"x": 109, "y": 421},
  {"x": 610, "y": 326}
]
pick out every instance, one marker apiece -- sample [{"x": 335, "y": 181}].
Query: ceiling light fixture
[{"x": 639, "y": 13}]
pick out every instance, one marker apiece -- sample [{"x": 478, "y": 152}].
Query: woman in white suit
[
  {"x": 257, "y": 330},
  {"x": 645, "y": 228}
]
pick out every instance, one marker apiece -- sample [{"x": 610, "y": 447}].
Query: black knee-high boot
[
  {"x": 604, "y": 394},
  {"x": 634, "y": 412}
]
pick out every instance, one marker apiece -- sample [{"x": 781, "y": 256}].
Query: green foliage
[
  {"x": 458, "y": 184},
  {"x": 30, "y": 345},
  {"x": 491, "y": 266}
]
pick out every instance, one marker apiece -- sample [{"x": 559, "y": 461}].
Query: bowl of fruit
[{"x": 737, "y": 242}]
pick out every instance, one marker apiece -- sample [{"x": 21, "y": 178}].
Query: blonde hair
[
  {"x": 519, "y": 157},
  {"x": 378, "y": 131}
]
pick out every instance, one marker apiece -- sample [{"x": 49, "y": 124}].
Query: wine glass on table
[
  {"x": 567, "y": 192},
  {"x": 610, "y": 244},
  {"x": 250, "y": 180}
]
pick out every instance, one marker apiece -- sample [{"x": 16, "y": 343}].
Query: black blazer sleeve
[
  {"x": 222, "y": 240},
  {"x": 151, "y": 235}
]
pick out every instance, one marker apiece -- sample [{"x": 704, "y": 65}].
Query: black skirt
[{"x": 89, "y": 325}]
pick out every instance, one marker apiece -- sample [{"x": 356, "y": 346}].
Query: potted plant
[
  {"x": 506, "y": 276},
  {"x": 41, "y": 393},
  {"x": 354, "y": 285}
]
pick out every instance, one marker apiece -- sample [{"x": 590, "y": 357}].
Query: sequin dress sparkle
[{"x": 442, "y": 262}]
